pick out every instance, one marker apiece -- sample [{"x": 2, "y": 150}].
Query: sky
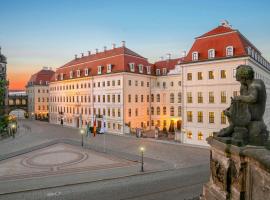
[{"x": 37, "y": 33}]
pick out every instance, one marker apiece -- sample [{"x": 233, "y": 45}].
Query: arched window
[
  {"x": 158, "y": 97},
  {"x": 172, "y": 98},
  {"x": 152, "y": 110},
  {"x": 172, "y": 111},
  {"x": 229, "y": 51},
  {"x": 179, "y": 97},
  {"x": 164, "y": 110}
]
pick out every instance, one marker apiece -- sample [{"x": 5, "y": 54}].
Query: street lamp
[
  {"x": 82, "y": 132},
  {"x": 13, "y": 126},
  {"x": 142, "y": 151}
]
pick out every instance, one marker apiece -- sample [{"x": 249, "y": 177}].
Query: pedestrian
[{"x": 156, "y": 133}]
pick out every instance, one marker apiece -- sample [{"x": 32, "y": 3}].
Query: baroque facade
[{"x": 3, "y": 77}]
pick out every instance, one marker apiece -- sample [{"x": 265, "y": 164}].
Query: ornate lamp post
[
  {"x": 82, "y": 132},
  {"x": 142, "y": 162}
]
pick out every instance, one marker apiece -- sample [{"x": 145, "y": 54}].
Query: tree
[{"x": 3, "y": 85}]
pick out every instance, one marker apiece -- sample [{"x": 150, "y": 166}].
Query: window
[
  {"x": 148, "y": 69},
  {"x": 152, "y": 98},
  {"x": 200, "y": 136},
  {"x": 61, "y": 76},
  {"x": 99, "y": 69},
  {"x": 222, "y": 74},
  {"x": 172, "y": 98},
  {"x": 179, "y": 111},
  {"x": 229, "y": 51},
  {"x": 189, "y": 116},
  {"x": 158, "y": 97},
  {"x": 119, "y": 98},
  {"x": 78, "y": 73},
  {"x": 200, "y": 117},
  {"x": 200, "y": 97},
  {"x": 113, "y": 83},
  {"x": 118, "y": 82},
  {"x": 136, "y": 83},
  {"x": 222, "y": 118},
  {"x": 109, "y": 68},
  {"x": 113, "y": 98},
  {"x": 223, "y": 96},
  {"x": 200, "y": 77},
  {"x": 179, "y": 83},
  {"x": 129, "y": 98},
  {"x": 152, "y": 110},
  {"x": 211, "y": 97},
  {"x": 136, "y": 98},
  {"x": 131, "y": 67},
  {"x": 141, "y": 98},
  {"x": 164, "y": 110},
  {"x": 157, "y": 72},
  {"x": 211, "y": 53},
  {"x": 140, "y": 68},
  {"x": 189, "y": 97},
  {"x": 129, "y": 82},
  {"x": 234, "y": 73},
  {"x": 211, "y": 117},
  {"x": 172, "y": 84},
  {"x": 179, "y": 97},
  {"x": 158, "y": 110},
  {"x": 86, "y": 72},
  {"x": 108, "y": 98},
  {"x": 142, "y": 83},
  {"x": 171, "y": 111},
  {"x": 189, "y": 135},
  {"x": 195, "y": 56},
  {"x": 189, "y": 76},
  {"x": 164, "y": 71},
  {"x": 129, "y": 112},
  {"x": 235, "y": 93},
  {"x": 210, "y": 75}
]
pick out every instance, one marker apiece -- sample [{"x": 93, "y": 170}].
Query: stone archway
[{"x": 19, "y": 113}]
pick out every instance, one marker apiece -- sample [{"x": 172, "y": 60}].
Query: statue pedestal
[{"x": 237, "y": 173}]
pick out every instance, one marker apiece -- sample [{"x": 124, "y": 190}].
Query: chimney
[
  {"x": 105, "y": 48},
  {"x": 123, "y": 43},
  {"x": 96, "y": 50},
  {"x": 76, "y": 56},
  {"x": 113, "y": 45},
  {"x": 82, "y": 55},
  {"x": 89, "y": 53},
  {"x": 168, "y": 56},
  {"x": 184, "y": 53}
]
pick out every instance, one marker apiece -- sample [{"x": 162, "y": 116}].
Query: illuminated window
[
  {"x": 200, "y": 136},
  {"x": 211, "y": 117},
  {"x": 200, "y": 97},
  {"x": 200, "y": 117},
  {"x": 223, "y": 96},
  {"x": 223, "y": 118},
  {"x": 223, "y": 74},
  {"x": 189, "y": 135},
  {"x": 189, "y": 116}
]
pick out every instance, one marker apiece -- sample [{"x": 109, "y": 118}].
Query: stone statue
[{"x": 245, "y": 115}]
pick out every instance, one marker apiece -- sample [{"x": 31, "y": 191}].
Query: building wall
[{"x": 196, "y": 132}]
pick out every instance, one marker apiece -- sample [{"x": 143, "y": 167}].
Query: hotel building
[
  {"x": 118, "y": 86},
  {"x": 209, "y": 82},
  {"x": 37, "y": 90}
]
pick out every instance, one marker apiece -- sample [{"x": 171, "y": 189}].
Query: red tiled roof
[
  {"x": 219, "y": 38},
  {"x": 41, "y": 77},
  {"x": 169, "y": 64},
  {"x": 119, "y": 58}
]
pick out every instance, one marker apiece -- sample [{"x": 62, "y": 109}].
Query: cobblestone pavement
[{"x": 177, "y": 158}]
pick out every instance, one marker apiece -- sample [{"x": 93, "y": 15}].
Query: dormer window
[
  {"x": 158, "y": 72},
  {"x": 99, "y": 69},
  {"x": 195, "y": 55},
  {"x": 46, "y": 82},
  {"x": 164, "y": 71},
  {"x": 86, "y": 72},
  {"x": 148, "y": 68},
  {"x": 131, "y": 67},
  {"x": 71, "y": 74},
  {"x": 140, "y": 68},
  {"x": 61, "y": 76},
  {"x": 78, "y": 73},
  {"x": 229, "y": 51},
  {"x": 211, "y": 53},
  {"x": 109, "y": 68},
  {"x": 40, "y": 82}
]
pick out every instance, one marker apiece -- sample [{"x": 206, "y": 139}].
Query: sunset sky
[{"x": 49, "y": 32}]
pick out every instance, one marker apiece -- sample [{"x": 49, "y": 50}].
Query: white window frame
[
  {"x": 109, "y": 68},
  {"x": 61, "y": 76},
  {"x": 86, "y": 72},
  {"x": 158, "y": 72},
  {"x": 78, "y": 73},
  {"x": 140, "y": 68},
  {"x": 164, "y": 71},
  {"x": 71, "y": 74},
  {"x": 211, "y": 53},
  {"x": 132, "y": 67},
  {"x": 195, "y": 55},
  {"x": 99, "y": 69},
  {"x": 148, "y": 68},
  {"x": 229, "y": 51}
]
